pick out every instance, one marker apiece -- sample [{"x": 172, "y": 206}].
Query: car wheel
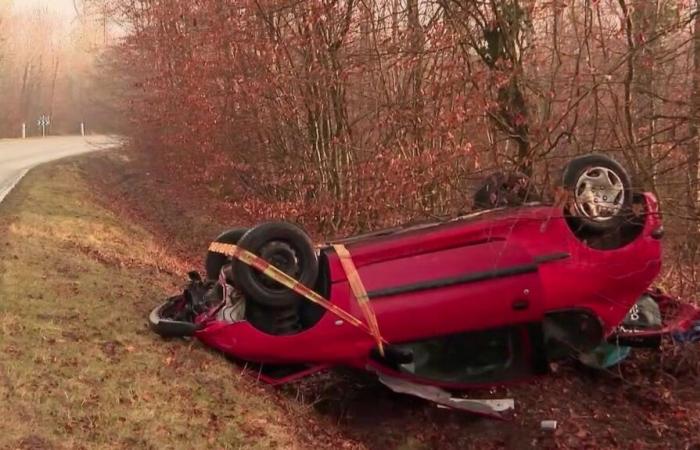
[
  {"x": 275, "y": 321},
  {"x": 215, "y": 261},
  {"x": 600, "y": 191},
  {"x": 286, "y": 247}
]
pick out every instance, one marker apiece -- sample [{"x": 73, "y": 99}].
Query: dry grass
[
  {"x": 80, "y": 369},
  {"x": 78, "y": 366}
]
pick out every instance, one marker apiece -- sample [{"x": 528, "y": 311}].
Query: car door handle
[{"x": 521, "y": 305}]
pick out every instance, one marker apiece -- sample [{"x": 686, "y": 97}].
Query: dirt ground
[{"x": 90, "y": 245}]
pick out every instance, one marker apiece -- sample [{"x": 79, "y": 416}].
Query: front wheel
[
  {"x": 288, "y": 248},
  {"x": 215, "y": 261},
  {"x": 600, "y": 191}
]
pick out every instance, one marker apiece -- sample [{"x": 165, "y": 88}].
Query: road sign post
[{"x": 43, "y": 122}]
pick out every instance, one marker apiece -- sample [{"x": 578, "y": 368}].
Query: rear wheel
[
  {"x": 215, "y": 261},
  {"x": 600, "y": 190},
  {"x": 286, "y": 247},
  {"x": 276, "y": 321}
]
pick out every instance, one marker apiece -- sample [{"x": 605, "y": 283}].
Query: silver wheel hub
[{"x": 599, "y": 194}]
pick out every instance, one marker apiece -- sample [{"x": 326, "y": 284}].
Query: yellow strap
[
  {"x": 273, "y": 272},
  {"x": 360, "y": 293}
]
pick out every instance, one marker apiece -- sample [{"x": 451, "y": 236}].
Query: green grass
[{"x": 78, "y": 366}]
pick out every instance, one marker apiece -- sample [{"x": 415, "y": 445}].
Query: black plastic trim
[
  {"x": 453, "y": 281},
  {"x": 642, "y": 341},
  {"x": 170, "y": 328},
  {"x": 551, "y": 257},
  {"x": 658, "y": 233},
  {"x": 472, "y": 277}
]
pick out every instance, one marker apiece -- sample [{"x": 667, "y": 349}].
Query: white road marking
[{"x": 10, "y": 184}]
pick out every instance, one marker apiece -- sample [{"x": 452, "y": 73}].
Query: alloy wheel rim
[{"x": 600, "y": 194}]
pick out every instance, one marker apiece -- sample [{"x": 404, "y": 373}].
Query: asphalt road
[{"x": 18, "y": 156}]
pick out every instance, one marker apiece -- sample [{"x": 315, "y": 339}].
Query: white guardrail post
[{"x": 24, "y": 131}]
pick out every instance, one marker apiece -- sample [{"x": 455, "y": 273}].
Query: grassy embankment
[
  {"x": 78, "y": 366},
  {"x": 80, "y": 369}
]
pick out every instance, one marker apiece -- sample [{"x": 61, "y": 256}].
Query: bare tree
[
  {"x": 496, "y": 30},
  {"x": 693, "y": 193}
]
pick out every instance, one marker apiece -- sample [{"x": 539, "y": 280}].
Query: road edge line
[{"x": 6, "y": 191}]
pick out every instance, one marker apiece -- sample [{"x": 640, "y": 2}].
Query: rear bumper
[{"x": 681, "y": 324}]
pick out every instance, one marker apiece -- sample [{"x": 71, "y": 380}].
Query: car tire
[
  {"x": 274, "y": 321},
  {"x": 215, "y": 261},
  {"x": 600, "y": 193},
  {"x": 288, "y": 248}
]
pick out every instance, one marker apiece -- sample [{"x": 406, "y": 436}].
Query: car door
[{"x": 480, "y": 286}]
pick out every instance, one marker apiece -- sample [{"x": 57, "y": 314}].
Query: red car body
[{"x": 485, "y": 271}]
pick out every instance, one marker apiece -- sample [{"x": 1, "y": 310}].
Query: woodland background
[{"x": 346, "y": 115}]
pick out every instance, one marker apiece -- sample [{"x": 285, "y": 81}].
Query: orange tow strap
[
  {"x": 273, "y": 272},
  {"x": 360, "y": 293}
]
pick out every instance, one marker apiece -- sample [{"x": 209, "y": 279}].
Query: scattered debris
[
  {"x": 496, "y": 409},
  {"x": 549, "y": 425}
]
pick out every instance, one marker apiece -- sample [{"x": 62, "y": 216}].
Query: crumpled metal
[{"x": 689, "y": 336}]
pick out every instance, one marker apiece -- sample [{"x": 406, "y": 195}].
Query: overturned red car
[{"x": 482, "y": 299}]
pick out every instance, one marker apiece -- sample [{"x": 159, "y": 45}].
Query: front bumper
[{"x": 167, "y": 327}]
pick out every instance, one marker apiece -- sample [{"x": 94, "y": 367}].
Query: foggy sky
[{"x": 63, "y": 7}]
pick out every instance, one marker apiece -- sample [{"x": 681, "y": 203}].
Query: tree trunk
[
  {"x": 417, "y": 44},
  {"x": 644, "y": 17},
  {"x": 694, "y": 128}
]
